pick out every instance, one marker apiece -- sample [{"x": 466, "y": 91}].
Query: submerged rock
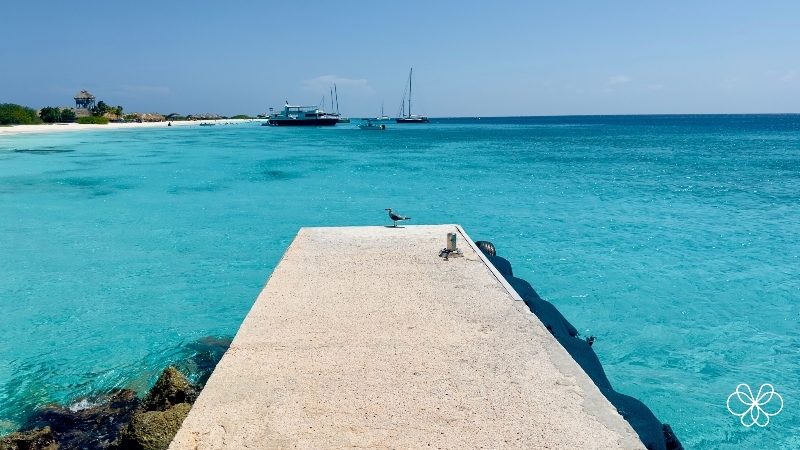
[
  {"x": 201, "y": 357},
  {"x": 37, "y": 439},
  {"x": 100, "y": 424},
  {"x": 172, "y": 388},
  {"x": 161, "y": 414},
  {"x": 92, "y": 428},
  {"x": 153, "y": 430},
  {"x": 97, "y": 423}
]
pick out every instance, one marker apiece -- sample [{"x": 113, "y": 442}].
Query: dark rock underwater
[{"x": 121, "y": 420}]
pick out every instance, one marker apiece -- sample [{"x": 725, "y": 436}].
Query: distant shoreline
[
  {"x": 50, "y": 128},
  {"x": 55, "y": 128}
]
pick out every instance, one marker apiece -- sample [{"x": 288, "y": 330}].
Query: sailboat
[
  {"x": 383, "y": 116},
  {"x": 337, "y": 114},
  {"x": 410, "y": 118}
]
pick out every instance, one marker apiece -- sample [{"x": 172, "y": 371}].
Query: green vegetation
[
  {"x": 99, "y": 120},
  {"x": 103, "y": 108},
  {"x": 241, "y": 116},
  {"x": 50, "y": 115},
  {"x": 53, "y": 115},
  {"x": 11, "y": 114},
  {"x": 67, "y": 115}
]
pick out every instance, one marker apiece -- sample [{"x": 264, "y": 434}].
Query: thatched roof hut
[
  {"x": 84, "y": 94},
  {"x": 152, "y": 117},
  {"x": 112, "y": 116},
  {"x": 207, "y": 116},
  {"x": 84, "y": 100},
  {"x": 148, "y": 117}
]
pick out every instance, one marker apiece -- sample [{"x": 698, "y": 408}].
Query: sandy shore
[{"x": 55, "y": 128}]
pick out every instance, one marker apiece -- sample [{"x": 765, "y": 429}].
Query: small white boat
[
  {"x": 370, "y": 126},
  {"x": 383, "y": 116}
]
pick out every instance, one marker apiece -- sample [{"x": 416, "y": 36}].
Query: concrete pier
[{"x": 364, "y": 337}]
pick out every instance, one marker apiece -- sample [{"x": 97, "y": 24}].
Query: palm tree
[{"x": 101, "y": 108}]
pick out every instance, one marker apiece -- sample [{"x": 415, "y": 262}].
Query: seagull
[{"x": 396, "y": 217}]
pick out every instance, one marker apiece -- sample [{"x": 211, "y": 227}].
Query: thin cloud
[
  {"x": 732, "y": 82},
  {"x": 322, "y": 84},
  {"x": 784, "y": 76},
  {"x": 619, "y": 79}
]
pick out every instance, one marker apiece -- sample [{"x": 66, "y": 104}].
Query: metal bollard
[{"x": 451, "y": 242}]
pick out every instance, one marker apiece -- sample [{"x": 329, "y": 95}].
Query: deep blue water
[{"x": 673, "y": 239}]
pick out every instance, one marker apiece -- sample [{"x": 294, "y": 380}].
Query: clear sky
[{"x": 470, "y": 58}]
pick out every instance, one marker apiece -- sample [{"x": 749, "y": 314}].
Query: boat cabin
[
  {"x": 299, "y": 112},
  {"x": 301, "y": 115}
]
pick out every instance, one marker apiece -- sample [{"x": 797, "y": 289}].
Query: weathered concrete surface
[{"x": 364, "y": 338}]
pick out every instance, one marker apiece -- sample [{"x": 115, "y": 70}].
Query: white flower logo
[{"x": 754, "y": 414}]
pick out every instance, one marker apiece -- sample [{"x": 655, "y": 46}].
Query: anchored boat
[
  {"x": 410, "y": 118},
  {"x": 301, "y": 116},
  {"x": 370, "y": 126},
  {"x": 335, "y": 93},
  {"x": 383, "y": 116}
]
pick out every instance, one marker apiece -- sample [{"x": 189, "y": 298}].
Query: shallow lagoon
[{"x": 673, "y": 239}]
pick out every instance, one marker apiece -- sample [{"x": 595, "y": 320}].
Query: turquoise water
[{"x": 673, "y": 239}]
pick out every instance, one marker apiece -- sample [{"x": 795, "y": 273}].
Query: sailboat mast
[
  {"x": 331, "y": 100},
  {"x": 410, "y": 74},
  {"x": 337, "y": 98}
]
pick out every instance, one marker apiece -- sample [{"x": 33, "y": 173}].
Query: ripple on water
[{"x": 42, "y": 151}]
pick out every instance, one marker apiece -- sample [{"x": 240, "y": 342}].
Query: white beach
[{"x": 63, "y": 127}]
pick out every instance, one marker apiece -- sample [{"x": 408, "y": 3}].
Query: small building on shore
[
  {"x": 146, "y": 117},
  {"x": 207, "y": 116},
  {"x": 84, "y": 104},
  {"x": 84, "y": 100},
  {"x": 112, "y": 117}
]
